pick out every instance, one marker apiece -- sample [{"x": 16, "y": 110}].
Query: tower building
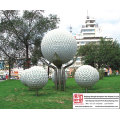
[{"x": 90, "y": 32}]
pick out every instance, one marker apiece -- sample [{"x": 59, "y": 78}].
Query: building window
[
  {"x": 91, "y": 25},
  {"x": 78, "y": 59},
  {"x": 82, "y": 43},
  {"x": 88, "y": 30}
]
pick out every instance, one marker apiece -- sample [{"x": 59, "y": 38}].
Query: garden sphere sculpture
[
  {"x": 59, "y": 47},
  {"x": 23, "y": 77},
  {"x": 35, "y": 77},
  {"x": 58, "y": 43},
  {"x": 86, "y": 76}
]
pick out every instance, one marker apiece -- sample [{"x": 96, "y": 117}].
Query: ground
[{"x": 14, "y": 95}]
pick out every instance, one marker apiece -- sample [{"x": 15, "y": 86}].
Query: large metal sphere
[
  {"x": 23, "y": 77},
  {"x": 53, "y": 77},
  {"x": 35, "y": 77},
  {"x": 59, "y": 42},
  {"x": 86, "y": 76}
]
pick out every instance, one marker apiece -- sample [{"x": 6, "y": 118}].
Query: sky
[
  {"x": 106, "y": 13},
  {"x": 73, "y": 13}
]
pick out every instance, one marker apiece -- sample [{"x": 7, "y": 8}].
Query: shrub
[
  {"x": 114, "y": 72},
  {"x": 73, "y": 73},
  {"x": 101, "y": 74}
]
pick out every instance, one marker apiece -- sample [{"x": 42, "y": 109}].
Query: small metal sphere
[
  {"x": 35, "y": 77},
  {"x": 53, "y": 77},
  {"x": 86, "y": 76},
  {"x": 60, "y": 43}
]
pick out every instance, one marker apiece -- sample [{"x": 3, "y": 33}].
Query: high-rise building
[{"x": 90, "y": 32}]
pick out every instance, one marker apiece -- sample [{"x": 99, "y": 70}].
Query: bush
[
  {"x": 114, "y": 72},
  {"x": 73, "y": 73},
  {"x": 101, "y": 74}
]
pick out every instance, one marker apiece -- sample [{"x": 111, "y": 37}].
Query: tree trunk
[
  {"x": 9, "y": 62},
  {"x": 27, "y": 64}
]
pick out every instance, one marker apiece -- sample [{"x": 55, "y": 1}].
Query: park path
[{"x": 2, "y": 80}]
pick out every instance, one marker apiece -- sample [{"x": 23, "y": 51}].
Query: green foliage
[
  {"x": 101, "y": 74},
  {"x": 102, "y": 54},
  {"x": 88, "y": 53},
  {"x": 73, "y": 73},
  {"x": 114, "y": 72},
  {"x": 24, "y": 31}
]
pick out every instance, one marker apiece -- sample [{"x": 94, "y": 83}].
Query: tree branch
[{"x": 16, "y": 32}]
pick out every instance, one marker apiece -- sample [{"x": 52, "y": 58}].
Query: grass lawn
[{"x": 14, "y": 95}]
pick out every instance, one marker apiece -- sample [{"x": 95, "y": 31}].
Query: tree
[
  {"x": 102, "y": 54},
  {"x": 26, "y": 30},
  {"x": 88, "y": 53},
  {"x": 7, "y": 52}
]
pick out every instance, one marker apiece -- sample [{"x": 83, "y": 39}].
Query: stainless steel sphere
[
  {"x": 35, "y": 77},
  {"x": 53, "y": 77},
  {"x": 59, "y": 42},
  {"x": 86, "y": 76},
  {"x": 23, "y": 77}
]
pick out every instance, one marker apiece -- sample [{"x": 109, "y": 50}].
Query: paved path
[{"x": 2, "y": 80}]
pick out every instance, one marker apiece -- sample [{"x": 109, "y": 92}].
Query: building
[{"x": 90, "y": 32}]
